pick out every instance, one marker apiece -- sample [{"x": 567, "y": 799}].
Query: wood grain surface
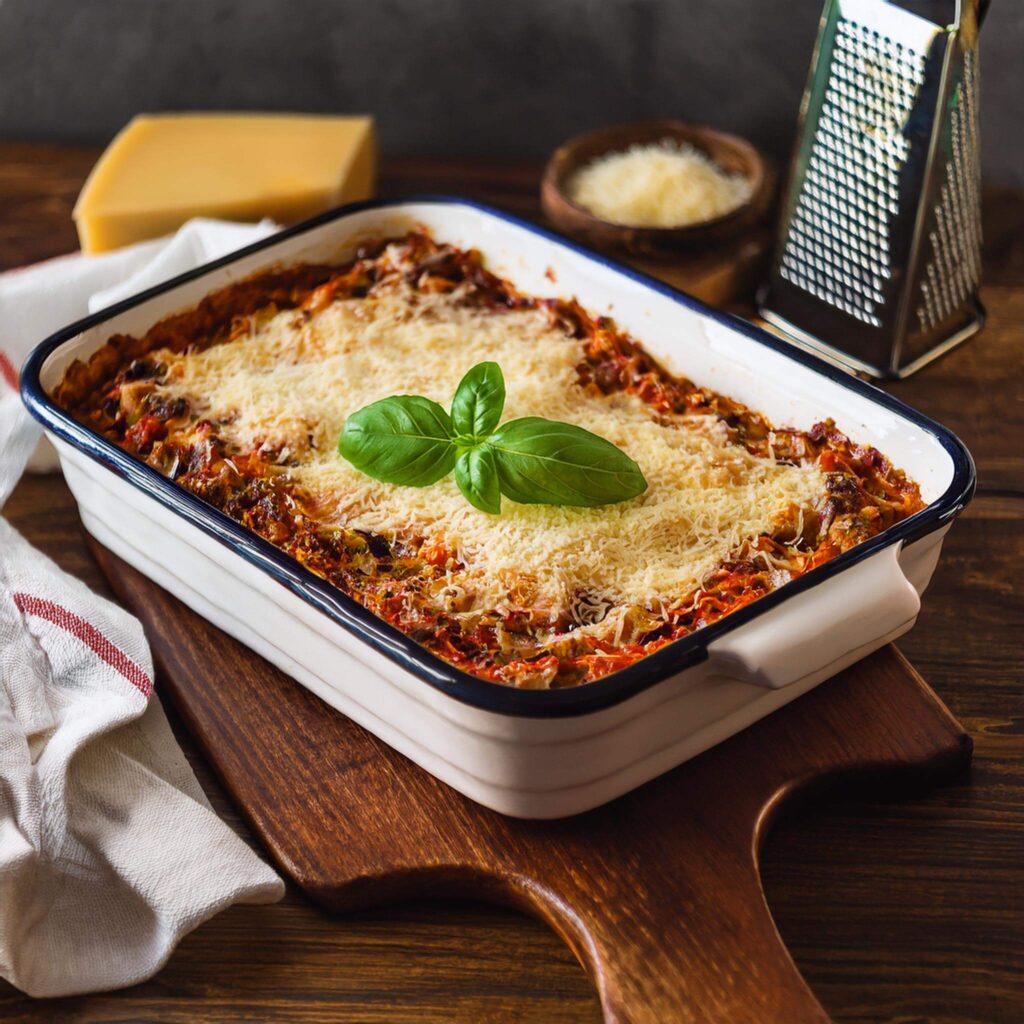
[{"x": 894, "y": 909}]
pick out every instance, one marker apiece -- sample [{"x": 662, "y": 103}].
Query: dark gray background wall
[{"x": 465, "y": 77}]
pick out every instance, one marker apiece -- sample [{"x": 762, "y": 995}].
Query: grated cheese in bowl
[{"x": 666, "y": 184}]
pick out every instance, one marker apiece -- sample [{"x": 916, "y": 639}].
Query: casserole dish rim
[{"x": 390, "y": 641}]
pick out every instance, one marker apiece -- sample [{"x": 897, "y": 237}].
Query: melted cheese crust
[
  {"x": 241, "y": 400},
  {"x": 290, "y": 383}
]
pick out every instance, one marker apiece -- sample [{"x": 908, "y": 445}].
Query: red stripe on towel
[
  {"x": 89, "y": 635},
  {"x": 8, "y": 372}
]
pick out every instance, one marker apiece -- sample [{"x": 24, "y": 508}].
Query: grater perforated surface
[
  {"x": 953, "y": 266},
  {"x": 837, "y": 244}
]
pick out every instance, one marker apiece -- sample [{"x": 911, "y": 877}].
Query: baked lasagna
[{"x": 241, "y": 401}]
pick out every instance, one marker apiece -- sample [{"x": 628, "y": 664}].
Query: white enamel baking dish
[{"x": 528, "y": 753}]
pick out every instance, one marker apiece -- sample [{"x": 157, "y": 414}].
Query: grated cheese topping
[
  {"x": 666, "y": 184},
  {"x": 289, "y": 383}
]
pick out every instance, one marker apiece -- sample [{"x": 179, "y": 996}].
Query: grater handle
[{"x": 824, "y": 629}]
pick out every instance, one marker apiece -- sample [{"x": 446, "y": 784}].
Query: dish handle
[{"x": 836, "y": 622}]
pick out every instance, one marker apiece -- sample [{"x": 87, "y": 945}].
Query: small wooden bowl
[{"x": 731, "y": 153}]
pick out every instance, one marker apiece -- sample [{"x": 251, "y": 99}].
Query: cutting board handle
[{"x": 646, "y": 958}]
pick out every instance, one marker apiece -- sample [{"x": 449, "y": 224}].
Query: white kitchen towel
[{"x": 109, "y": 850}]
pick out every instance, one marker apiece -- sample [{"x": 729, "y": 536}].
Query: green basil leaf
[
  {"x": 479, "y": 400},
  {"x": 402, "y": 440},
  {"x": 544, "y": 462},
  {"x": 477, "y": 477}
]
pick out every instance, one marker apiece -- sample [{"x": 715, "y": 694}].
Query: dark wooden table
[{"x": 895, "y": 909}]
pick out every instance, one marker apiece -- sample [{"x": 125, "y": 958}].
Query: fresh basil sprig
[{"x": 410, "y": 440}]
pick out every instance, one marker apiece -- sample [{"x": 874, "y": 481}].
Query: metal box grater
[{"x": 879, "y": 255}]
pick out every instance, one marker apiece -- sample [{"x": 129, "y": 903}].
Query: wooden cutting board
[{"x": 658, "y": 893}]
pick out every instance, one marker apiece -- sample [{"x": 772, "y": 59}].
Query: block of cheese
[{"x": 163, "y": 169}]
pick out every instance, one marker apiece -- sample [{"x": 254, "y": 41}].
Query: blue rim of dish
[{"x": 391, "y": 642}]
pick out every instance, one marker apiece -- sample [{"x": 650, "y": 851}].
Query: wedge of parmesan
[{"x": 163, "y": 169}]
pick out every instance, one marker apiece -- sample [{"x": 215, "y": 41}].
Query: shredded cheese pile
[
  {"x": 665, "y": 184},
  {"x": 292, "y": 380}
]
